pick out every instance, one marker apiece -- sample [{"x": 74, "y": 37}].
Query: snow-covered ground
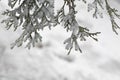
[{"x": 49, "y": 60}]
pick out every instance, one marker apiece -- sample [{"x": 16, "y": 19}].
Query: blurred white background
[{"x": 49, "y": 60}]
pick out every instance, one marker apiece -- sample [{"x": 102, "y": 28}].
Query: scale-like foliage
[
  {"x": 32, "y": 16},
  {"x": 35, "y": 15}
]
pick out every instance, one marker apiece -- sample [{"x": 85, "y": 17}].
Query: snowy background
[{"x": 49, "y": 60}]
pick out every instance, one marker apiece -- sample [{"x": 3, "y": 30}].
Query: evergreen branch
[{"x": 112, "y": 14}]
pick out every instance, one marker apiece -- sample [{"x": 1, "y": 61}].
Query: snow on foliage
[{"x": 35, "y": 15}]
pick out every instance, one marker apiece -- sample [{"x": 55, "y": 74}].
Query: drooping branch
[
  {"x": 95, "y": 5},
  {"x": 35, "y": 15},
  {"x": 70, "y": 24},
  {"x": 112, "y": 12},
  {"x": 32, "y": 16}
]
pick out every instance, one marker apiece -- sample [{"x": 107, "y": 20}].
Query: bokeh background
[{"x": 49, "y": 60}]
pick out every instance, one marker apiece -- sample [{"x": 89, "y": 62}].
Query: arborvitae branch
[
  {"x": 35, "y": 15},
  {"x": 32, "y": 15},
  {"x": 112, "y": 12},
  {"x": 96, "y": 4},
  {"x": 70, "y": 24}
]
